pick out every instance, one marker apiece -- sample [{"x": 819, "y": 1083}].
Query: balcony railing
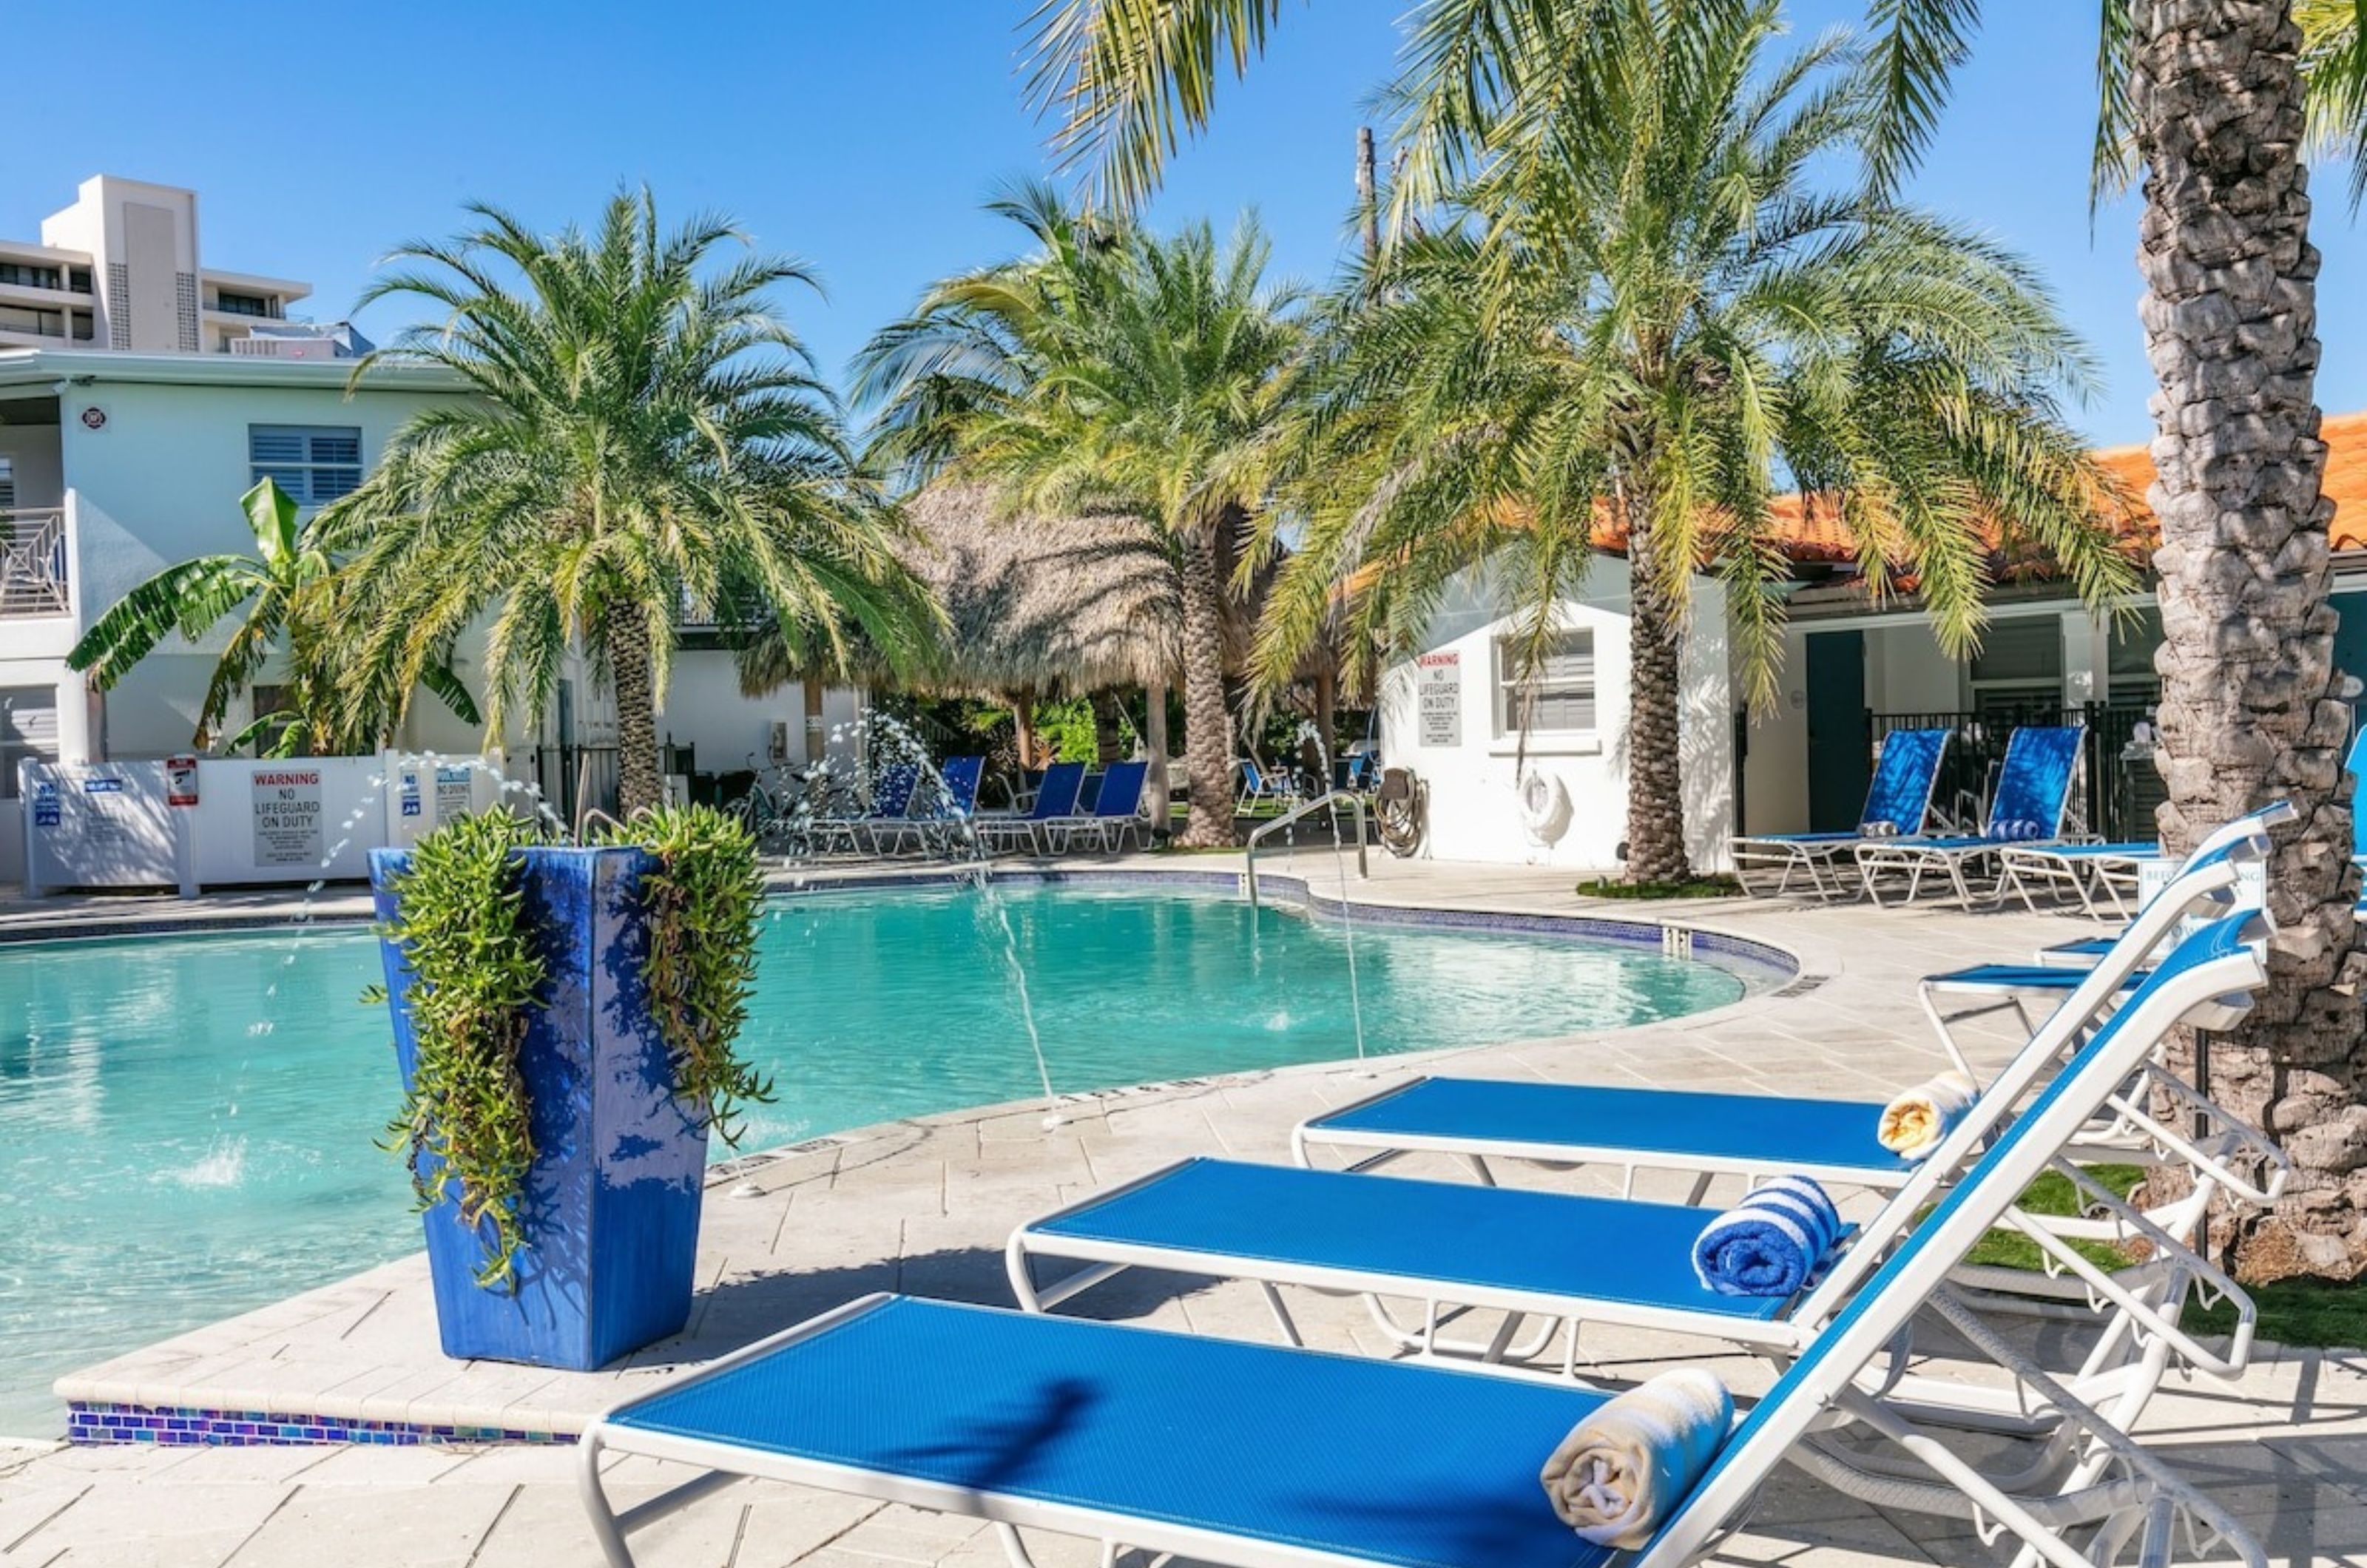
[{"x": 33, "y": 574}]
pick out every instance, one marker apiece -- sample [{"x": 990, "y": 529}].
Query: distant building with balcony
[
  {"x": 119, "y": 271},
  {"x": 116, "y": 464}
]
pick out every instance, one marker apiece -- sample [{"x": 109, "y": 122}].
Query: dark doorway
[{"x": 1839, "y": 759}]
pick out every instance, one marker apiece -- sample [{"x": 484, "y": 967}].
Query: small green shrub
[
  {"x": 477, "y": 968},
  {"x": 1699, "y": 887}
]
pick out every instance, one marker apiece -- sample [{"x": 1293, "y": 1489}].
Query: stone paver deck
[{"x": 924, "y": 1206}]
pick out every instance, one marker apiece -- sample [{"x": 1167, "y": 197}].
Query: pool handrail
[{"x": 1356, "y": 804}]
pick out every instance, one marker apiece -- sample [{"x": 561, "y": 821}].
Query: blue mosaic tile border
[
  {"x": 1760, "y": 965},
  {"x": 99, "y": 1425}
]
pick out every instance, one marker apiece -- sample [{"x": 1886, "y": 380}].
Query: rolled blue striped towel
[
  {"x": 1771, "y": 1243},
  {"x": 1624, "y": 1470}
]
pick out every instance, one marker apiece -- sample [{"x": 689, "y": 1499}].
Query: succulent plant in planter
[{"x": 565, "y": 1019}]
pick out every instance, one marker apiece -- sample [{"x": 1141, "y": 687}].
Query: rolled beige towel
[
  {"x": 1624, "y": 1470},
  {"x": 1920, "y": 1120}
]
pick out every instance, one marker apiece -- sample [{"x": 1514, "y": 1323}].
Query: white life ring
[{"x": 1545, "y": 806}]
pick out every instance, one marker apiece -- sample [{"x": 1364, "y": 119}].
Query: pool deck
[{"x": 924, "y": 1205}]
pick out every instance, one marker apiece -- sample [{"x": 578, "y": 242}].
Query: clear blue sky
[{"x": 862, "y": 137}]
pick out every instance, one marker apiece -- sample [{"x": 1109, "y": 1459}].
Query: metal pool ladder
[{"x": 1356, "y": 804}]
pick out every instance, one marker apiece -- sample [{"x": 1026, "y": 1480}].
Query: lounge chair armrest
[
  {"x": 2147, "y": 1316},
  {"x": 2237, "y": 1140}
]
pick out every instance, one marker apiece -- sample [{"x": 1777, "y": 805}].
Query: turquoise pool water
[{"x": 187, "y": 1123}]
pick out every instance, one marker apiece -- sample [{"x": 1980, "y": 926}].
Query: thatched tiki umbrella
[{"x": 1037, "y": 607}]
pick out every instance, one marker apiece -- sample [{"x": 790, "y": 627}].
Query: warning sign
[
  {"x": 288, "y": 827},
  {"x": 1438, "y": 698}
]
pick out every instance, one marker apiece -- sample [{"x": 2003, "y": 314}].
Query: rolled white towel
[
  {"x": 1920, "y": 1120},
  {"x": 1624, "y": 1470}
]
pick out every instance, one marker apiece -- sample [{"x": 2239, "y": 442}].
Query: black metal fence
[{"x": 2118, "y": 787}]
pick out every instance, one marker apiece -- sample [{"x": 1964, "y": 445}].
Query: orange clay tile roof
[
  {"x": 1813, "y": 534},
  {"x": 1816, "y": 535}
]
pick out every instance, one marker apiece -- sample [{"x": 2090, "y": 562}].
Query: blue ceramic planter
[{"x": 611, "y": 1209}]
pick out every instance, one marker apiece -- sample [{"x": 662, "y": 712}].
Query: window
[
  {"x": 78, "y": 279},
  {"x": 25, "y": 319},
  {"x": 241, "y": 304},
  {"x": 84, "y": 329},
  {"x": 313, "y": 463},
  {"x": 29, "y": 729},
  {"x": 2129, "y": 664},
  {"x": 7, "y": 485},
  {"x": 25, "y": 274},
  {"x": 2020, "y": 664},
  {"x": 1559, "y": 697}
]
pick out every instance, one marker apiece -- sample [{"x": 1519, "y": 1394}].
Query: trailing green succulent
[
  {"x": 704, "y": 902},
  {"x": 477, "y": 967}
]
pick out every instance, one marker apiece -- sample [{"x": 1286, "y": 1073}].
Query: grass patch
[
  {"x": 2321, "y": 1313},
  {"x": 2325, "y": 1313},
  {"x": 1699, "y": 887},
  {"x": 2054, "y": 1194}
]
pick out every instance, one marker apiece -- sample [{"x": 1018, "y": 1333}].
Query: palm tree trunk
[
  {"x": 1656, "y": 802},
  {"x": 1158, "y": 796},
  {"x": 632, "y": 667},
  {"x": 2252, "y": 708},
  {"x": 1207, "y": 726},
  {"x": 1109, "y": 729}
]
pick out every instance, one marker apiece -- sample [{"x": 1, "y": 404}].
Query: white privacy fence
[{"x": 216, "y": 822}]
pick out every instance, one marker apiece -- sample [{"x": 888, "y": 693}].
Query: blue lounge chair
[
  {"x": 1275, "y": 1458},
  {"x": 1898, "y": 798},
  {"x": 1756, "y": 1136},
  {"x": 1056, "y": 800},
  {"x": 2090, "y": 874},
  {"x": 1257, "y": 785},
  {"x": 891, "y": 797},
  {"x": 937, "y": 812},
  {"x": 1556, "y": 1256},
  {"x": 1949, "y": 999},
  {"x": 2355, "y": 763},
  {"x": 2033, "y": 793},
  {"x": 1117, "y": 811}
]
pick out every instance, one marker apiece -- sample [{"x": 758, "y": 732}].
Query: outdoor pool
[{"x": 187, "y": 1123}]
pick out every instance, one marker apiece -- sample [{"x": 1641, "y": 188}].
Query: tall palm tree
[
  {"x": 1640, "y": 320},
  {"x": 645, "y": 443},
  {"x": 2213, "y": 100},
  {"x": 1112, "y": 370},
  {"x": 288, "y": 592}
]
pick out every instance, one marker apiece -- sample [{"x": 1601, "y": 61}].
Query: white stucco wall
[
  {"x": 1775, "y": 753},
  {"x": 1473, "y": 802},
  {"x": 703, "y": 708},
  {"x": 32, "y": 453}
]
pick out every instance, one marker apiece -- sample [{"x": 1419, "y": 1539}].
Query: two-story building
[{"x": 141, "y": 395}]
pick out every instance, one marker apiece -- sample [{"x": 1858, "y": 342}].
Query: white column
[{"x": 77, "y": 718}]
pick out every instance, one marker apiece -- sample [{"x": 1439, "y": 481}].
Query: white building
[
  {"x": 114, "y": 464},
  {"x": 1851, "y": 672},
  {"x": 1452, "y": 713},
  {"x": 119, "y": 271}
]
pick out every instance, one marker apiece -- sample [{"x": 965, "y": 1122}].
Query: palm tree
[
  {"x": 646, "y": 442},
  {"x": 289, "y": 591},
  {"x": 1112, "y": 371},
  {"x": 1632, "y": 328},
  {"x": 2213, "y": 100}
]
